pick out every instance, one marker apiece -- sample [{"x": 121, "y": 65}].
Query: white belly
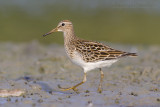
[{"x": 87, "y": 66}]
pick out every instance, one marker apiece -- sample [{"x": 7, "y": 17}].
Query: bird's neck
[{"x": 69, "y": 36}]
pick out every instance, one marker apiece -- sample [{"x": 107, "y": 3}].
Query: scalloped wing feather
[{"x": 95, "y": 51}]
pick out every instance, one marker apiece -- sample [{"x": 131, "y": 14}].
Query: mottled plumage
[
  {"x": 94, "y": 51},
  {"x": 87, "y": 54}
]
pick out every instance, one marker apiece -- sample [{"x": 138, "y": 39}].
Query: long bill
[{"x": 54, "y": 30}]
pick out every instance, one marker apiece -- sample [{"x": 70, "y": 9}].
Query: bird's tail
[{"x": 130, "y": 54}]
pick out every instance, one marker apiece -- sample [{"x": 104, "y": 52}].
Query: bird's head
[{"x": 62, "y": 27}]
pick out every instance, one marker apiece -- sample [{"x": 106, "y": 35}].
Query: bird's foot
[
  {"x": 65, "y": 89},
  {"x": 99, "y": 90}
]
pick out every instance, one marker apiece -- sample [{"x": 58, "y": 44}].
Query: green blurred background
[{"x": 115, "y": 21}]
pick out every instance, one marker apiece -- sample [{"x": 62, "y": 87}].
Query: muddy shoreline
[{"x": 38, "y": 69}]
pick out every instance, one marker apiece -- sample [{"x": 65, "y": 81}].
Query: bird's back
[{"x": 94, "y": 51}]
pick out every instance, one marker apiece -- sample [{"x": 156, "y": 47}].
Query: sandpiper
[{"x": 87, "y": 54}]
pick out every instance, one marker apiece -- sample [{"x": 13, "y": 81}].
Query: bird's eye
[{"x": 63, "y": 24}]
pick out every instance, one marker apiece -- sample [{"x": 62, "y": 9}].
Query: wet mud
[{"x": 37, "y": 69}]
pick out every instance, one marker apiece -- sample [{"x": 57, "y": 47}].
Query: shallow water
[{"x": 38, "y": 69}]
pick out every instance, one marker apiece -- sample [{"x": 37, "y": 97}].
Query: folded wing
[{"x": 94, "y": 51}]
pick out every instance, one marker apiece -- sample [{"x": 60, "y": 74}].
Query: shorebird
[{"x": 87, "y": 54}]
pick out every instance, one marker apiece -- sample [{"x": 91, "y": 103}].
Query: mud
[{"x": 38, "y": 69}]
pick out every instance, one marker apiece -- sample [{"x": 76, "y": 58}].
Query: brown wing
[{"x": 94, "y": 51}]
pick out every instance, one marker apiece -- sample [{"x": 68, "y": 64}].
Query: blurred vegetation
[{"x": 110, "y": 25}]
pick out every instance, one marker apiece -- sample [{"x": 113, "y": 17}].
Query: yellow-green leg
[
  {"x": 101, "y": 81},
  {"x": 74, "y": 87}
]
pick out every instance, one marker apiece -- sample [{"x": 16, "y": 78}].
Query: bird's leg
[
  {"x": 74, "y": 87},
  {"x": 101, "y": 81}
]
